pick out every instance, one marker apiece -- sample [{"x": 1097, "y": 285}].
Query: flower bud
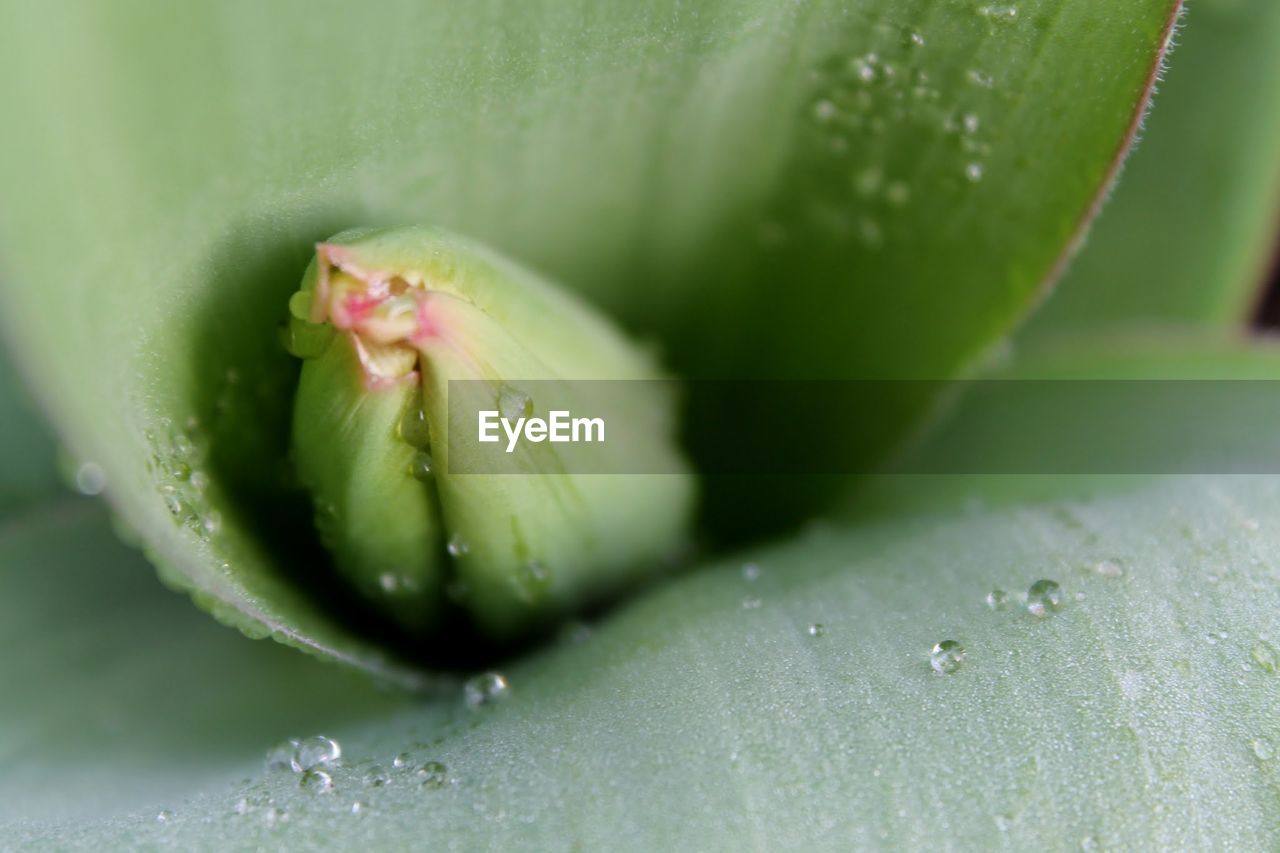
[{"x": 388, "y": 322}]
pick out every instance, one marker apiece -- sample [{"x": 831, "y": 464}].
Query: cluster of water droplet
[
  {"x": 415, "y": 432},
  {"x": 177, "y": 462},
  {"x": 1042, "y": 599},
  {"x": 318, "y": 765},
  {"x": 875, "y": 109}
]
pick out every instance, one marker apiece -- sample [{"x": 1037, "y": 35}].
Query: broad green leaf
[
  {"x": 1192, "y": 228},
  {"x": 27, "y": 470},
  {"x": 115, "y": 696},
  {"x": 710, "y": 715},
  {"x": 863, "y": 187}
]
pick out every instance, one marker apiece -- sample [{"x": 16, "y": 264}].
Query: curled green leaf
[{"x": 385, "y": 321}]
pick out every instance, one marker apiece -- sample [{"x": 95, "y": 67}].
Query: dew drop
[
  {"x": 315, "y": 752},
  {"x": 211, "y": 522},
  {"x": 897, "y": 194},
  {"x": 433, "y": 774},
  {"x": 750, "y": 572},
  {"x": 751, "y": 603},
  {"x": 1266, "y": 656},
  {"x": 868, "y": 181},
  {"x": 359, "y": 807},
  {"x": 864, "y": 68},
  {"x": 280, "y": 756},
  {"x": 946, "y": 657},
  {"x": 999, "y": 13},
  {"x": 388, "y": 582},
  {"x": 164, "y": 816},
  {"x": 485, "y": 689},
  {"x": 514, "y": 404},
  {"x": 413, "y": 426},
  {"x": 176, "y": 503},
  {"x": 532, "y": 581},
  {"x": 980, "y": 78},
  {"x": 181, "y": 444},
  {"x": 969, "y": 123},
  {"x": 401, "y": 761},
  {"x": 973, "y": 172},
  {"x": 1108, "y": 569},
  {"x": 1263, "y": 749},
  {"x": 997, "y": 599},
  {"x": 317, "y": 782},
  {"x": 421, "y": 468},
  {"x": 817, "y": 629},
  {"x": 458, "y": 547},
  {"x": 824, "y": 110},
  {"x": 1044, "y": 597},
  {"x": 912, "y": 38},
  {"x": 90, "y": 479},
  {"x": 376, "y": 777}
]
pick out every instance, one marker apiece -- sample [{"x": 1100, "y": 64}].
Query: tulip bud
[{"x": 388, "y": 322}]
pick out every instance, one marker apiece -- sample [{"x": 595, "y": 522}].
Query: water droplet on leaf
[
  {"x": 514, "y": 404},
  {"x": 485, "y": 689},
  {"x": 413, "y": 426},
  {"x": 458, "y": 547},
  {"x": 422, "y": 466},
  {"x": 532, "y": 581},
  {"x": 317, "y": 781},
  {"x": 315, "y": 752},
  {"x": 824, "y": 110},
  {"x": 1044, "y": 597},
  {"x": 1108, "y": 569},
  {"x": 280, "y": 756},
  {"x": 946, "y": 657},
  {"x": 90, "y": 479},
  {"x": 433, "y": 774}
]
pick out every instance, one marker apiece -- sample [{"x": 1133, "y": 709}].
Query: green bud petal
[
  {"x": 411, "y": 309},
  {"x": 372, "y": 512}
]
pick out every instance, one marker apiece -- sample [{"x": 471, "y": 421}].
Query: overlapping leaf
[{"x": 862, "y": 187}]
